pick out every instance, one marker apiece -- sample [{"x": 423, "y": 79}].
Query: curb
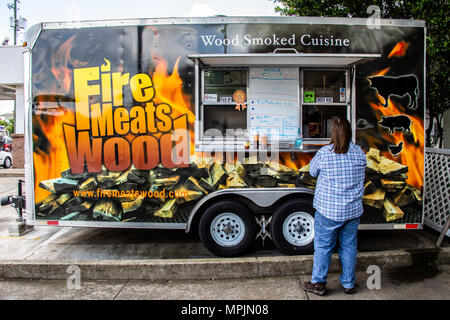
[
  {"x": 444, "y": 256},
  {"x": 202, "y": 269},
  {"x": 12, "y": 174}
]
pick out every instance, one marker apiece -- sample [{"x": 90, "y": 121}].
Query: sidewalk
[
  {"x": 12, "y": 172},
  {"x": 404, "y": 283}
]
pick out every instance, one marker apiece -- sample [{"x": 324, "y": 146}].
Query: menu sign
[{"x": 273, "y": 102}]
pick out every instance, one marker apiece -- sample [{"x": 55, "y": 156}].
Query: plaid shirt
[{"x": 340, "y": 186}]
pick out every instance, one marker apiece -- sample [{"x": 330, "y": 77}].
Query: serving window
[
  {"x": 323, "y": 86},
  {"x": 218, "y": 104},
  {"x": 300, "y": 105},
  {"x": 304, "y": 100},
  {"x": 325, "y": 93},
  {"x": 317, "y": 120}
]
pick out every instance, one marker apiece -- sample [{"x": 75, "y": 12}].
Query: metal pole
[
  {"x": 19, "y": 190},
  {"x": 442, "y": 235},
  {"x": 15, "y": 22}
]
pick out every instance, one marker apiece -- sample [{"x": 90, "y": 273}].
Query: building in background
[{"x": 11, "y": 88}]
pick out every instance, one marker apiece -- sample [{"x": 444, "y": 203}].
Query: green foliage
[
  {"x": 435, "y": 13},
  {"x": 351, "y": 8},
  {"x": 9, "y": 125}
]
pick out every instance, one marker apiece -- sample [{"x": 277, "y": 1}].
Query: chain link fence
[{"x": 437, "y": 188}]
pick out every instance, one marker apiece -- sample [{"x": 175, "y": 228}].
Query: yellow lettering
[
  {"x": 150, "y": 111},
  {"x": 142, "y": 87},
  {"x": 162, "y": 111},
  {"x": 121, "y": 121},
  {"x": 106, "y": 87},
  {"x": 106, "y": 81},
  {"x": 138, "y": 122},
  {"x": 102, "y": 119},
  {"x": 83, "y": 90},
  {"x": 119, "y": 80}
]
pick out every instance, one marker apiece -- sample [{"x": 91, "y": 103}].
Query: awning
[
  {"x": 7, "y": 92},
  {"x": 284, "y": 59}
]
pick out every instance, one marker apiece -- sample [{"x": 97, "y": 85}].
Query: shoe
[
  {"x": 319, "y": 288},
  {"x": 349, "y": 290}
]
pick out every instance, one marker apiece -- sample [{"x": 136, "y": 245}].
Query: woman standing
[{"x": 340, "y": 167}]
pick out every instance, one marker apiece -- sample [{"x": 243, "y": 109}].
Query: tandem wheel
[
  {"x": 227, "y": 228},
  {"x": 292, "y": 227}
]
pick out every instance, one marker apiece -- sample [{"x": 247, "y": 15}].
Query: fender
[{"x": 262, "y": 197}]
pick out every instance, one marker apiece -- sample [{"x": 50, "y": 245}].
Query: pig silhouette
[
  {"x": 397, "y": 122},
  {"x": 398, "y": 86}
]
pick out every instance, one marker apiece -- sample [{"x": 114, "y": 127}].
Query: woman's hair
[{"x": 341, "y": 134}]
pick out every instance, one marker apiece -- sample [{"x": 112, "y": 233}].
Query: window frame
[
  {"x": 236, "y": 142},
  {"x": 200, "y": 140},
  {"x": 347, "y": 103}
]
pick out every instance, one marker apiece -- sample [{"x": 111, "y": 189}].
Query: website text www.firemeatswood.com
[{"x": 101, "y": 193}]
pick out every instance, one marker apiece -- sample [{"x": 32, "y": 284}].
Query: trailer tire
[
  {"x": 227, "y": 228},
  {"x": 292, "y": 227}
]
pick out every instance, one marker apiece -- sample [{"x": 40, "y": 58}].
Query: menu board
[{"x": 273, "y": 97}]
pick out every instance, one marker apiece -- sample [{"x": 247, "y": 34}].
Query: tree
[
  {"x": 436, "y": 16},
  {"x": 9, "y": 125}
]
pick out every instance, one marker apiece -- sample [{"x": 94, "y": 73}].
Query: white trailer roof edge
[
  {"x": 234, "y": 19},
  {"x": 33, "y": 32}
]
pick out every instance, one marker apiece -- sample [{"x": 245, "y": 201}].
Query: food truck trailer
[{"x": 209, "y": 124}]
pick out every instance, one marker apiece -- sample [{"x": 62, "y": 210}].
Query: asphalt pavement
[{"x": 412, "y": 283}]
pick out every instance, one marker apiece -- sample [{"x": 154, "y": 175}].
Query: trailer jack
[{"x": 19, "y": 227}]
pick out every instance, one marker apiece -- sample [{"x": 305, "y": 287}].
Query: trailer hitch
[{"x": 17, "y": 202}]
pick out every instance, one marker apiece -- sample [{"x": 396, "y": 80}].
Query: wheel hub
[
  {"x": 298, "y": 228},
  {"x": 227, "y": 229}
]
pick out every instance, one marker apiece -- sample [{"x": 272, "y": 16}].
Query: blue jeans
[{"x": 325, "y": 233}]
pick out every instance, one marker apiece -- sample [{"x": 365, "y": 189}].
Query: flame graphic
[
  {"x": 169, "y": 89},
  {"x": 49, "y": 165},
  {"x": 399, "y": 50},
  {"x": 380, "y": 73},
  {"x": 51, "y": 115},
  {"x": 300, "y": 160},
  {"x": 60, "y": 64},
  {"x": 412, "y": 154}
]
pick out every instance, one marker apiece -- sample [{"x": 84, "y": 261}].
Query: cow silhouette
[
  {"x": 396, "y": 122},
  {"x": 396, "y": 149},
  {"x": 397, "y": 86}
]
